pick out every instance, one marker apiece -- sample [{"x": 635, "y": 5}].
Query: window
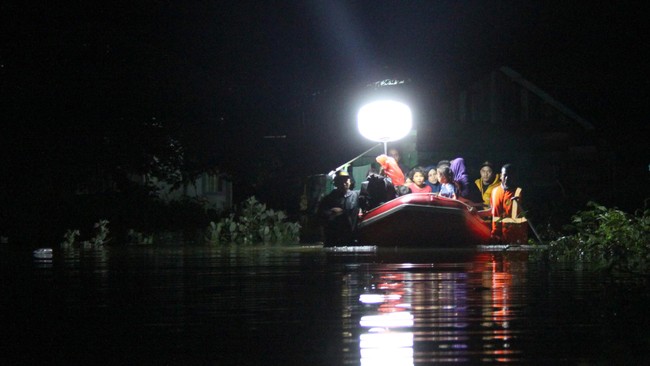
[{"x": 213, "y": 183}]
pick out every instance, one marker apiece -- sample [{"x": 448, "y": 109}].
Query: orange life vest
[{"x": 392, "y": 169}]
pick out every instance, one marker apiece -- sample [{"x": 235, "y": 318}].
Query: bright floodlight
[{"x": 384, "y": 121}]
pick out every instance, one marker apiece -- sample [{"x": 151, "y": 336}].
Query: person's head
[
  {"x": 445, "y": 175},
  {"x": 432, "y": 175},
  {"x": 443, "y": 163},
  {"x": 509, "y": 176},
  {"x": 417, "y": 176},
  {"x": 394, "y": 153},
  {"x": 487, "y": 173},
  {"x": 342, "y": 181}
]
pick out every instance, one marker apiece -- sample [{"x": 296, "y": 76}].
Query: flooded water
[{"x": 201, "y": 305}]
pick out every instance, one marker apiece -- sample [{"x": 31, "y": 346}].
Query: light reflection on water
[
  {"x": 305, "y": 306},
  {"x": 461, "y": 315}
]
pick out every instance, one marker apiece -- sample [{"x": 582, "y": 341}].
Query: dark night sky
[{"x": 251, "y": 64}]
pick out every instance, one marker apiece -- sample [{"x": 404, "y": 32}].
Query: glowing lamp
[{"x": 384, "y": 121}]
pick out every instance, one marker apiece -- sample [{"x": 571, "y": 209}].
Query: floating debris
[
  {"x": 352, "y": 249},
  {"x": 43, "y": 253}
]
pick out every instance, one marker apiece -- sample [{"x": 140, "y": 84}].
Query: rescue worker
[
  {"x": 339, "y": 212},
  {"x": 508, "y": 224},
  {"x": 487, "y": 182}
]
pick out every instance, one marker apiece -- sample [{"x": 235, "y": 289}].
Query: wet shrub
[
  {"x": 100, "y": 237},
  {"x": 252, "y": 222},
  {"x": 135, "y": 216},
  {"x": 608, "y": 237},
  {"x": 69, "y": 238}
]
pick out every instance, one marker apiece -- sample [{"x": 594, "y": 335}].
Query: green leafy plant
[
  {"x": 251, "y": 223},
  {"x": 608, "y": 237},
  {"x": 69, "y": 238},
  {"x": 101, "y": 235},
  {"x": 100, "y": 238},
  {"x": 213, "y": 232}
]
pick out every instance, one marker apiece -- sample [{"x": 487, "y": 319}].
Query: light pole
[{"x": 384, "y": 121}]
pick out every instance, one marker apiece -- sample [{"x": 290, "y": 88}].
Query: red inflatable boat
[{"x": 423, "y": 220}]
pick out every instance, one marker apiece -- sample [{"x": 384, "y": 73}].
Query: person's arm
[
  {"x": 516, "y": 206},
  {"x": 327, "y": 210},
  {"x": 470, "y": 202},
  {"x": 496, "y": 227},
  {"x": 496, "y": 215}
]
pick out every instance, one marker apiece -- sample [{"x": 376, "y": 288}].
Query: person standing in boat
[
  {"x": 418, "y": 184},
  {"x": 339, "y": 211},
  {"x": 395, "y": 154},
  {"x": 390, "y": 169},
  {"x": 487, "y": 182},
  {"x": 507, "y": 224}
]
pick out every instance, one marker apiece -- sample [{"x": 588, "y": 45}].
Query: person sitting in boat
[
  {"x": 339, "y": 211},
  {"x": 461, "y": 178},
  {"x": 507, "y": 224},
  {"x": 418, "y": 184},
  {"x": 466, "y": 192},
  {"x": 487, "y": 182},
  {"x": 432, "y": 179},
  {"x": 447, "y": 187},
  {"x": 375, "y": 191}
]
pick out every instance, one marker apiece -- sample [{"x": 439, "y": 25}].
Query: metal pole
[
  {"x": 333, "y": 172},
  {"x": 530, "y": 224}
]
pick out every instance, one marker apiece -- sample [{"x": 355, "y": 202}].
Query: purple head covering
[{"x": 457, "y": 166}]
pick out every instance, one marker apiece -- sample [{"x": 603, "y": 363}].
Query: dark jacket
[{"x": 340, "y": 230}]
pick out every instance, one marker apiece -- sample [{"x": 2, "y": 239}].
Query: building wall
[{"x": 504, "y": 118}]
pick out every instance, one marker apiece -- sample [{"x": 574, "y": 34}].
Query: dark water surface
[{"x": 201, "y": 305}]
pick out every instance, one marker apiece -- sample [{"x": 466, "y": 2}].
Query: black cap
[{"x": 487, "y": 163}]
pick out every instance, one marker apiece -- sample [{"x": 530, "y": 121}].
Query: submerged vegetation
[
  {"x": 609, "y": 237},
  {"x": 99, "y": 239},
  {"x": 252, "y": 222}
]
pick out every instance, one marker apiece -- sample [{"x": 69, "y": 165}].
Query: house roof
[{"x": 517, "y": 78}]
